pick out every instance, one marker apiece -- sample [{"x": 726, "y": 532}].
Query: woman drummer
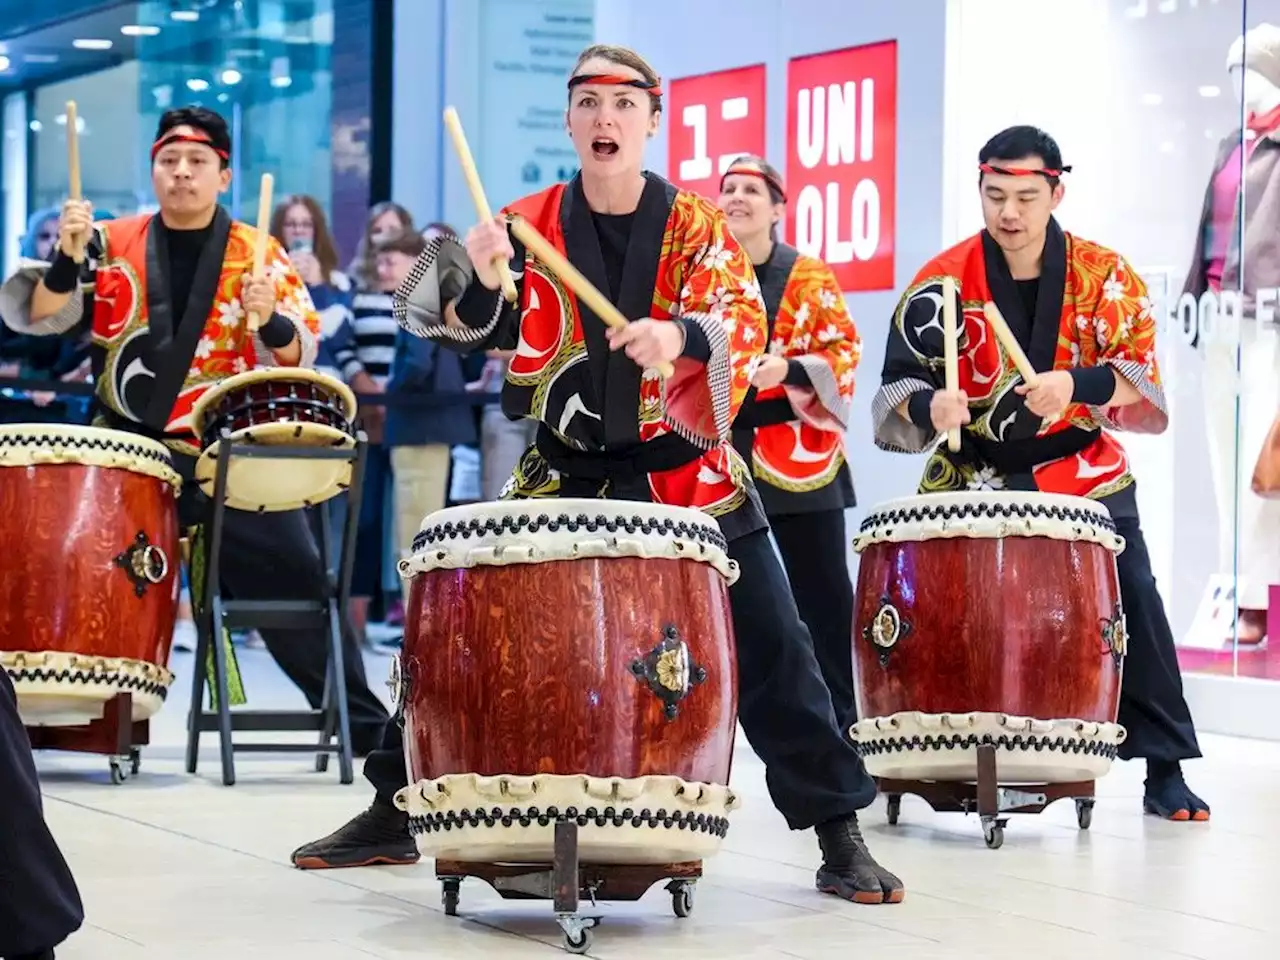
[
  {"x": 791, "y": 426},
  {"x": 610, "y": 427}
]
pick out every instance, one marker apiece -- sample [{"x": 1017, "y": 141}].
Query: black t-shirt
[
  {"x": 614, "y": 233},
  {"x": 184, "y": 249}
]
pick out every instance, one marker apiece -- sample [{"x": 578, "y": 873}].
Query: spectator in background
[
  {"x": 502, "y": 441},
  {"x": 385, "y": 219},
  {"x": 420, "y": 437}
]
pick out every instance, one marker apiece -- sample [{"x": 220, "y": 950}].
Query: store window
[{"x": 1169, "y": 112}]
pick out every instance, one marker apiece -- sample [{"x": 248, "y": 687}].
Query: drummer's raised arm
[
  {"x": 443, "y": 300},
  {"x": 913, "y": 370},
  {"x": 44, "y": 299}
]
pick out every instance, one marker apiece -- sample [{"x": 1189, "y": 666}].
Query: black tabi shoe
[
  {"x": 848, "y": 870},
  {"x": 380, "y": 835},
  {"x": 1167, "y": 795}
]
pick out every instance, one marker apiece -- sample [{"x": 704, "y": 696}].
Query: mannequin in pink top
[{"x": 1249, "y": 526}]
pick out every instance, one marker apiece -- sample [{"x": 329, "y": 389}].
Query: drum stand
[
  {"x": 333, "y": 719},
  {"x": 989, "y": 797},
  {"x": 114, "y": 735},
  {"x": 565, "y": 881}
]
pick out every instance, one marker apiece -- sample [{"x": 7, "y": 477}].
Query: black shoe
[
  {"x": 380, "y": 835},
  {"x": 1167, "y": 795},
  {"x": 848, "y": 870}
]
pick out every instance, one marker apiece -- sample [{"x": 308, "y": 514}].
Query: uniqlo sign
[
  {"x": 841, "y": 153},
  {"x": 716, "y": 117}
]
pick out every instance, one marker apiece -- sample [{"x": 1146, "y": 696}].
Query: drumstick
[
  {"x": 1010, "y": 343},
  {"x": 949, "y": 349},
  {"x": 264, "y": 239},
  {"x": 575, "y": 281},
  {"x": 73, "y": 169},
  {"x": 472, "y": 176}
]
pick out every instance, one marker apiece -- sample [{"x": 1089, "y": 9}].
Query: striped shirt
[{"x": 375, "y": 338}]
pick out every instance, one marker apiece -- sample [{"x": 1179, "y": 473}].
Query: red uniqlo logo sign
[
  {"x": 716, "y": 117},
  {"x": 841, "y": 154}
]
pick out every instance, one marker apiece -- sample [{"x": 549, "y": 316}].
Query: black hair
[
  {"x": 1020, "y": 142},
  {"x": 202, "y": 119}
]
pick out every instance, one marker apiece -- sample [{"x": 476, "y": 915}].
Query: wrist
[
  {"x": 1094, "y": 386},
  {"x": 277, "y": 333},
  {"x": 63, "y": 274},
  {"x": 920, "y": 410}
]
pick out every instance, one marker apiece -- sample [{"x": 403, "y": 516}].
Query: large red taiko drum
[
  {"x": 89, "y": 574},
  {"x": 568, "y": 658},
  {"x": 988, "y": 617}
]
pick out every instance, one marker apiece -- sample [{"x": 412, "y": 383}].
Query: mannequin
[{"x": 1249, "y": 542}]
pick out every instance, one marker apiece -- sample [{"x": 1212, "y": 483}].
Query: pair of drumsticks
[
  {"x": 527, "y": 234},
  {"x": 950, "y": 340},
  {"x": 264, "y": 206}
]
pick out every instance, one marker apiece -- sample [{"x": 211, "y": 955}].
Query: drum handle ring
[{"x": 145, "y": 563}]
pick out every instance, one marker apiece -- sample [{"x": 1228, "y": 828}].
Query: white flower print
[
  {"x": 829, "y": 334},
  {"x": 685, "y": 293},
  {"x": 827, "y": 299},
  {"x": 1083, "y": 323},
  {"x": 802, "y": 315},
  {"x": 204, "y": 349},
  {"x": 230, "y": 313},
  {"x": 803, "y": 342},
  {"x": 719, "y": 299},
  {"x": 751, "y": 291},
  {"x": 749, "y": 334},
  {"x": 717, "y": 257},
  {"x": 846, "y": 379},
  {"x": 1113, "y": 289},
  {"x": 1102, "y": 330},
  {"x": 985, "y": 479},
  {"x": 1147, "y": 306},
  {"x": 1075, "y": 354},
  {"x": 776, "y": 348}
]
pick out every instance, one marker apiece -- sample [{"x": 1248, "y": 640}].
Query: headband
[
  {"x": 1047, "y": 172},
  {"x": 744, "y": 170},
  {"x": 201, "y": 138},
  {"x": 616, "y": 80}
]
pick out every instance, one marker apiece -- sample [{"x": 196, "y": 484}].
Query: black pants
[
  {"x": 811, "y": 769},
  {"x": 39, "y": 903},
  {"x": 815, "y": 553},
  {"x": 366, "y": 577},
  {"x": 1152, "y": 707},
  {"x": 274, "y": 556}
]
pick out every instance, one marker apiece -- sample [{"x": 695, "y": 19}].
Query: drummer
[
  {"x": 1083, "y": 318},
  {"x": 791, "y": 426},
  {"x": 39, "y": 903},
  {"x": 157, "y": 350},
  {"x": 609, "y": 427}
]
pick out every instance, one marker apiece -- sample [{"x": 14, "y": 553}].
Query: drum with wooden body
[
  {"x": 90, "y": 577},
  {"x": 988, "y": 617},
  {"x": 276, "y": 406},
  {"x": 568, "y": 658}
]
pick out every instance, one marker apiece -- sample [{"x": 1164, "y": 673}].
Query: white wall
[
  {"x": 418, "y": 95},
  {"x": 716, "y": 36}
]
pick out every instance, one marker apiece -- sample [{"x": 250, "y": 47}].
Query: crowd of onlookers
[{"x": 422, "y": 457}]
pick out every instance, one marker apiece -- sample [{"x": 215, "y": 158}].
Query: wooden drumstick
[
  {"x": 73, "y": 170},
  {"x": 264, "y": 239},
  {"x": 472, "y": 176},
  {"x": 574, "y": 280},
  {"x": 1010, "y": 343},
  {"x": 950, "y": 345}
]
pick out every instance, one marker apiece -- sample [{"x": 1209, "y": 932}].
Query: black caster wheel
[
  {"x": 993, "y": 834},
  {"x": 578, "y": 943},
  {"x": 135, "y": 761},
  {"x": 118, "y": 772},
  {"x": 449, "y": 894},
  {"x": 681, "y": 898},
  {"x": 1084, "y": 813},
  {"x": 893, "y": 808}
]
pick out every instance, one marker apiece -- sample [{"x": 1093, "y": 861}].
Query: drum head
[
  {"x": 39, "y": 444},
  {"x": 263, "y": 485},
  {"x": 212, "y": 398}
]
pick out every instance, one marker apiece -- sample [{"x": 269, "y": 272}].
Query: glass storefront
[{"x": 1169, "y": 111}]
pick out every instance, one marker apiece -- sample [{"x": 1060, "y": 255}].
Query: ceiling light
[
  {"x": 139, "y": 30},
  {"x": 91, "y": 44},
  {"x": 196, "y": 85},
  {"x": 1210, "y": 91},
  {"x": 281, "y": 82},
  {"x": 4, "y": 63},
  {"x": 231, "y": 76},
  {"x": 185, "y": 16}
]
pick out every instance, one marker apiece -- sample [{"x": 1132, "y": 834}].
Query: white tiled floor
[{"x": 181, "y": 867}]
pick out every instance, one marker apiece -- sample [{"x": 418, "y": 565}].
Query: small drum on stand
[
  {"x": 989, "y": 644},
  {"x": 276, "y": 406},
  {"x": 569, "y": 701},
  {"x": 89, "y": 584}
]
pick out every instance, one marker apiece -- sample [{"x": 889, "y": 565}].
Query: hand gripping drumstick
[
  {"x": 73, "y": 170},
  {"x": 1010, "y": 343},
  {"x": 264, "y": 239},
  {"x": 568, "y": 275},
  {"x": 472, "y": 176},
  {"x": 949, "y": 349}
]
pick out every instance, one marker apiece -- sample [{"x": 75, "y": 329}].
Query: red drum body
[
  {"x": 988, "y": 618},
  {"x": 568, "y": 658},
  {"x": 90, "y": 578},
  {"x": 276, "y": 406}
]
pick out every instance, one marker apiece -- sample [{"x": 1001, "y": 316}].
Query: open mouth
[{"x": 603, "y": 147}]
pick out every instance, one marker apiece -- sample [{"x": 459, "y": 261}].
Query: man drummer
[
  {"x": 39, "y": 903},
  {"x": 157, "y": 349},
  {"x": 1083, "y": 319}
]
